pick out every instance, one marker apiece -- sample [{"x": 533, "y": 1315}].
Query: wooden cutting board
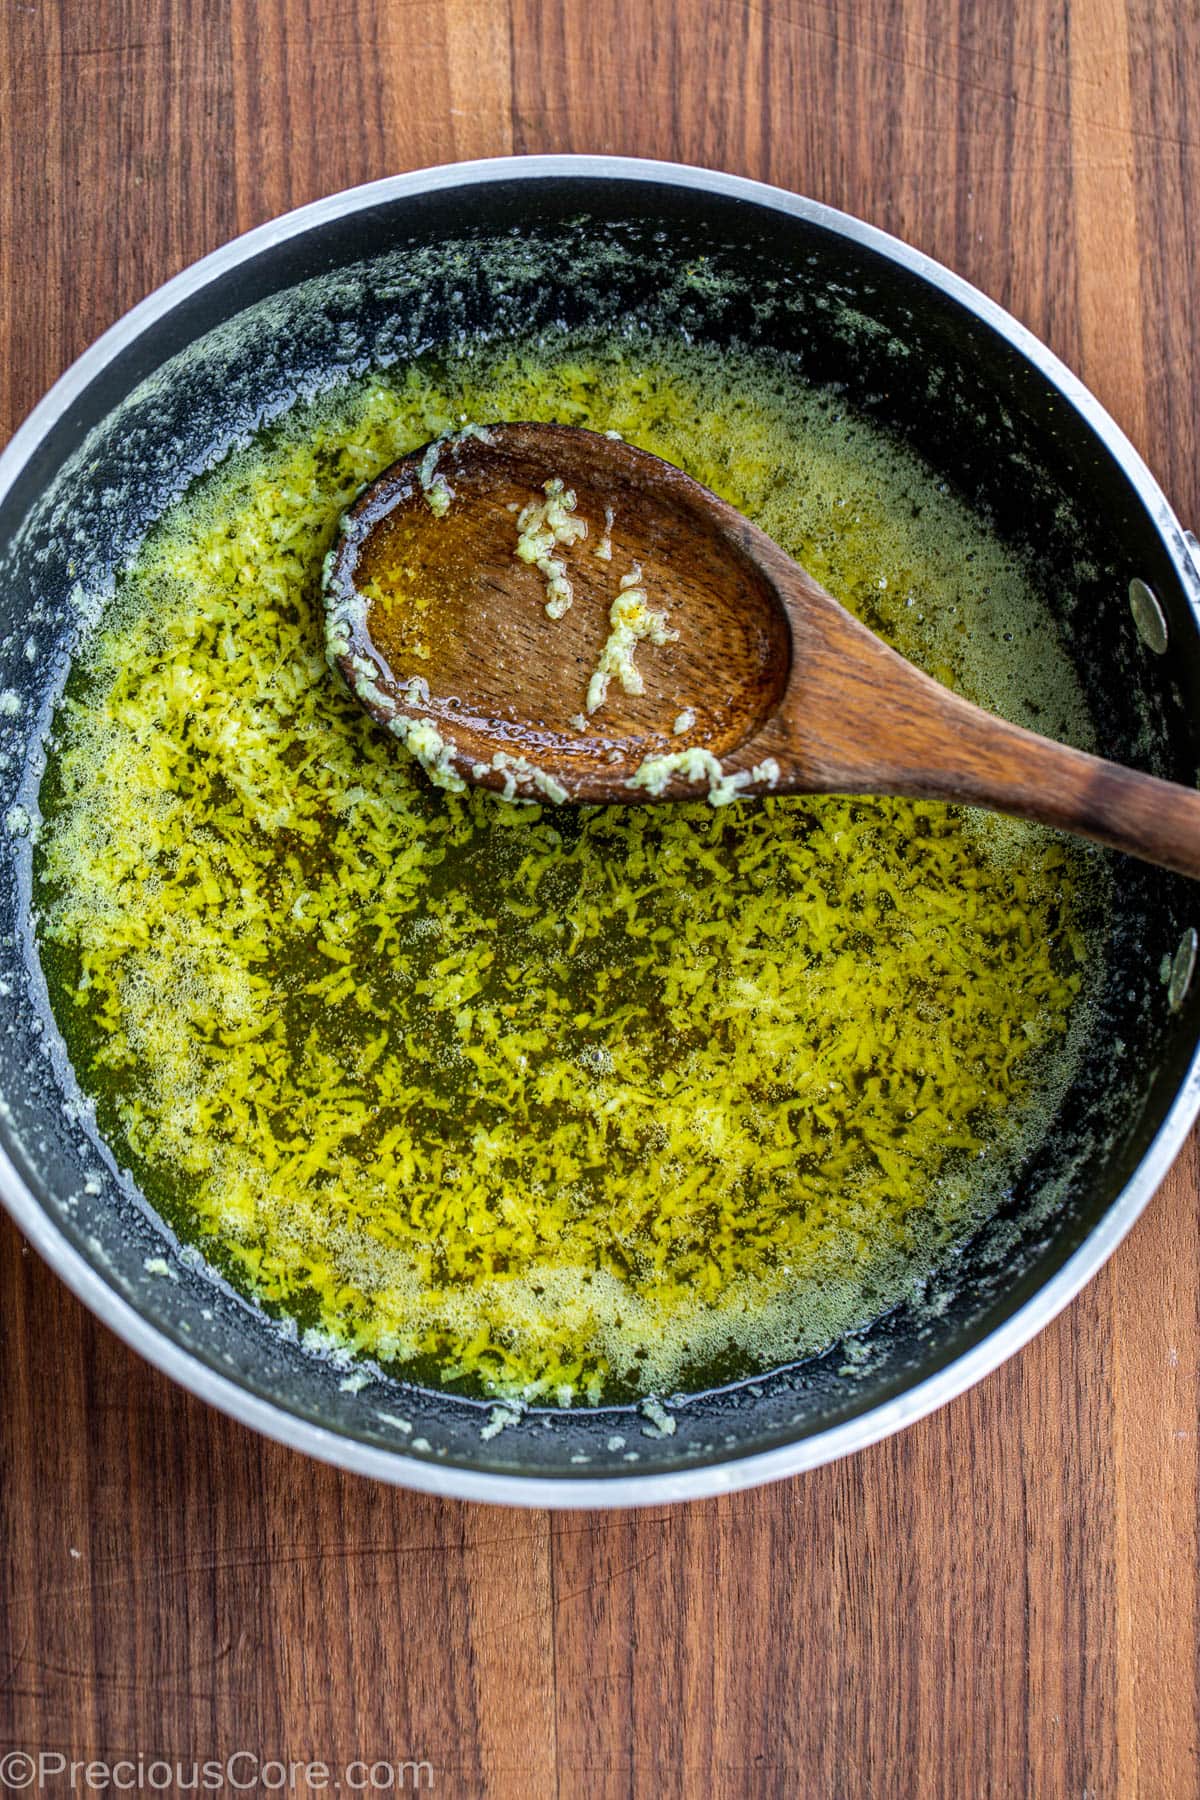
[{"x": 1002, "y": 1601}]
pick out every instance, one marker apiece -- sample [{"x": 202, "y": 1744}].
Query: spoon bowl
[{"x": 442, "y": 599}]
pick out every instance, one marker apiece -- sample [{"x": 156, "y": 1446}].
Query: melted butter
[{"x": 545, "y": 1104}]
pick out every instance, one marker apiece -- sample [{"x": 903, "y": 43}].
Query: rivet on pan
[
  {"x": 1183, "y": 967},
  {"x": 1148, "y": 616}
]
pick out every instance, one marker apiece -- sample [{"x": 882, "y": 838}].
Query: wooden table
[{"x": 1002, "y": 1601}]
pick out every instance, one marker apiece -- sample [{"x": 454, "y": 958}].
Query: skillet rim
[{"x": 273, "y": 1419}]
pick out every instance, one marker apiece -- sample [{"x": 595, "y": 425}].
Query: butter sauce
[{"x": 552, "y": 1105}]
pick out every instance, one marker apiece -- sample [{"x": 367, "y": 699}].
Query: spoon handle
[
  {"x": 990, "y": 763},
  {"x": 858, "y": 718}
]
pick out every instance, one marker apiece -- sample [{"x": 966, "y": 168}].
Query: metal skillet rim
[{"x": 398, "y": 1466}]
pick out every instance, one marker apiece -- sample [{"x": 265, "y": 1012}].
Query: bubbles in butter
[{"x": 553, "y": 1104}]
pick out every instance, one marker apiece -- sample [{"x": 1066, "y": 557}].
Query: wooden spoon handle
[
  {"x": 858, "y": 718},
  {"x": 987, "y": 762}
]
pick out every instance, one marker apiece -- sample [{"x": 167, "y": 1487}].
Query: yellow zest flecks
[{"x": 547, "y": 1104}]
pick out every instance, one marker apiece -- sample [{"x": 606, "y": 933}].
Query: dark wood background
[{"x": 1002, "y": 1601}]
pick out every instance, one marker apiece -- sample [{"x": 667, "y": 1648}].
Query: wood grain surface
[{"x": 1003, "y": 1600}]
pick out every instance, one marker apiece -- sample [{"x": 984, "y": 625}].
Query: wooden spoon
[{"x": 442, "y": 632}]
